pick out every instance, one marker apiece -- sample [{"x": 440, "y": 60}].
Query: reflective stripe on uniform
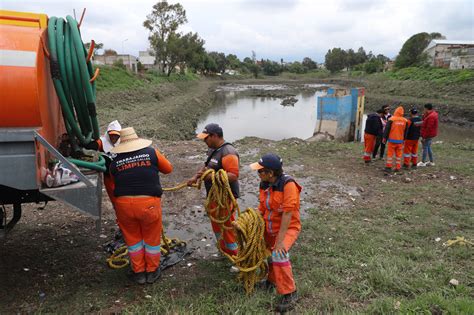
[{"x": 152, "y": 250}]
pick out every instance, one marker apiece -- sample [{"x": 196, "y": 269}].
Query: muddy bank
[{"x": 166, "y": 111}]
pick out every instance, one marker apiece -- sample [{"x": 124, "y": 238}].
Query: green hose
[
  {"x": 98, "y": 166},
  {"x": 71, "y": 73}
]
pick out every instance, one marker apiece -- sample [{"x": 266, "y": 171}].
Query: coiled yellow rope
[
  {"x": 251, "y": 259},
  {"x": 119, "y": 259},
  {"x": 253, "y": 253}
]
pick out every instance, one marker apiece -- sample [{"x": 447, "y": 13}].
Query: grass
[
  {"x": 378, "y": 256},
  {"x": 437, "y": 75},
  {"x": 115, "y": 78}
]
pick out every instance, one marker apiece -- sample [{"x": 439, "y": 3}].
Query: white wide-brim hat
[{"x": 129, "y": 141}]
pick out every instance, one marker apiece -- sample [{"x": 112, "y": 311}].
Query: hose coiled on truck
[{"x": 72, "y": 74}]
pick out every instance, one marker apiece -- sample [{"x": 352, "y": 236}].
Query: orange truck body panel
[{"x": 27, "y": 95}]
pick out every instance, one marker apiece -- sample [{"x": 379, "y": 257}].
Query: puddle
[{"x": 242, "y": 112}]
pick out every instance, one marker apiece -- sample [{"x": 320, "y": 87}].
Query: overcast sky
[{"x": 274, "y": 29}]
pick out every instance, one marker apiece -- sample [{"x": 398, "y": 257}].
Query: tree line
[{"x": 176, "y": 50}]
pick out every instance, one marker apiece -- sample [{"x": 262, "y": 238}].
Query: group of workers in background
[
  {"x": 401, "y": 135},
  {"x": 133, "y": 184}
]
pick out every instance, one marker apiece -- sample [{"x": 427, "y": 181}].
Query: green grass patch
[
  {"x": 437, "y": 75},
  {"x": 115, "y": 78}
]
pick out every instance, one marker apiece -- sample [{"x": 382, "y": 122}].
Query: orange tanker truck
[{"x": 47, "y": 115}]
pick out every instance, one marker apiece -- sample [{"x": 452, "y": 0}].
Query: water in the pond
[{"x": 244, "y": 111}]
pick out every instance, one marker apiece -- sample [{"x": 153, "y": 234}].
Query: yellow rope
[
  {"x": 251, "y": 259},
  {"x": 119, "y": 259},
  {"x": 458, "y": 241},
  {"x": 249, "y": 227},
  {"x": 253, "y": 253}
]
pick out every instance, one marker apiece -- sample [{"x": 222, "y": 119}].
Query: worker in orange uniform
[
  {"x": 373, "y": 129},
  {"x": 135, "y": 171},
  {"x": 280, "y": 207},
  {"x": 221, "y": 155},
  {"x": 105, "y": 144},
  {"x": 394, "y": 134},
  {"x": 410, "y": 151}
]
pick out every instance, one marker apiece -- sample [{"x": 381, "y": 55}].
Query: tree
[
  {"x": 232, "y": 61},
  {"x": 163, "y": 22},
  {"x": 382, "y": 58},
  {"x": 351, "y": 59},
  {"x": 221, "y": 61},
  {"x": 297, "y": 67},
  {"x": 309, "y": 64},
  {"x": 183, "y": 50},
  {"x": 411, "y": 53},
  {"x": 335, "y": 59},
  {"x": 360, "y": 56},
  {"x": 373, "y": 65},
  {"x": 210, "y": 65},
  {"x": 271, "y": 67},
  {"x": 97, "y": 47},
  {"x": 110, "y": 52}
]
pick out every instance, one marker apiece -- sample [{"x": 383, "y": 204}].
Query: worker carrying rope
[{"x": 224, "y": 160}]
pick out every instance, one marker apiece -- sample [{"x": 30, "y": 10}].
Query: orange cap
[
  {"x": 113, "y": 132},
  {"x": 256, "y": 166}
]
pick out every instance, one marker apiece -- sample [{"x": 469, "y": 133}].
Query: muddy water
[{"x": 257, "y": 110}]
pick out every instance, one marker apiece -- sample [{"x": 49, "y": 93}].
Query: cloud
[{"x": 275, "y": 29}]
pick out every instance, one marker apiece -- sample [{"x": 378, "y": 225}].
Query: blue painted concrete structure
[{"x": 339, "y": 113}]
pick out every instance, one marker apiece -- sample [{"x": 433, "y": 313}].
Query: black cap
[
  {"x": 210, "y": 129},
  {"x": 270, "y": 161},
  {"x": 414, "y": 111}
]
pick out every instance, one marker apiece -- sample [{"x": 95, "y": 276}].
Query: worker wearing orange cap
[
  {"x": 280, "y": 207},
  {"x": 221, "y": 155},
  {"x": 106, "y": 143},
  {"x": 135, "y": 171},
  {"x": 394, "y": 134}
]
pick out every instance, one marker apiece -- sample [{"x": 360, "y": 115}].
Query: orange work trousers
[
  {"x": 280, "y": 272},
  {"x": 410, "y": 152},
  {"x": 397, "y": 149},
  {"x": 369, "y": 143},
  {"x": 139, "y": 218},
  {"x": 228, "y": 243}
]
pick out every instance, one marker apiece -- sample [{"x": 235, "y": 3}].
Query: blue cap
[{"x": 270, "y": 161}]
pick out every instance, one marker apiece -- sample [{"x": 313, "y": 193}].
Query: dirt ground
[{"x": 53, "y": 261}]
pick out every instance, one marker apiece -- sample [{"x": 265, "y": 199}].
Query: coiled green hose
[{"x": 71, "y": 74}]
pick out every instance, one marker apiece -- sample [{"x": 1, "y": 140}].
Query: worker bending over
[
  {"x": 280, "y": 207},
  {"x": 135, "y": 171}
]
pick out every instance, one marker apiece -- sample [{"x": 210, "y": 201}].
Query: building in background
[
  {"x": 452, "y": 54},
  {"x": 129, "y": 61},
  {"x": 147, "y": 59}
]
